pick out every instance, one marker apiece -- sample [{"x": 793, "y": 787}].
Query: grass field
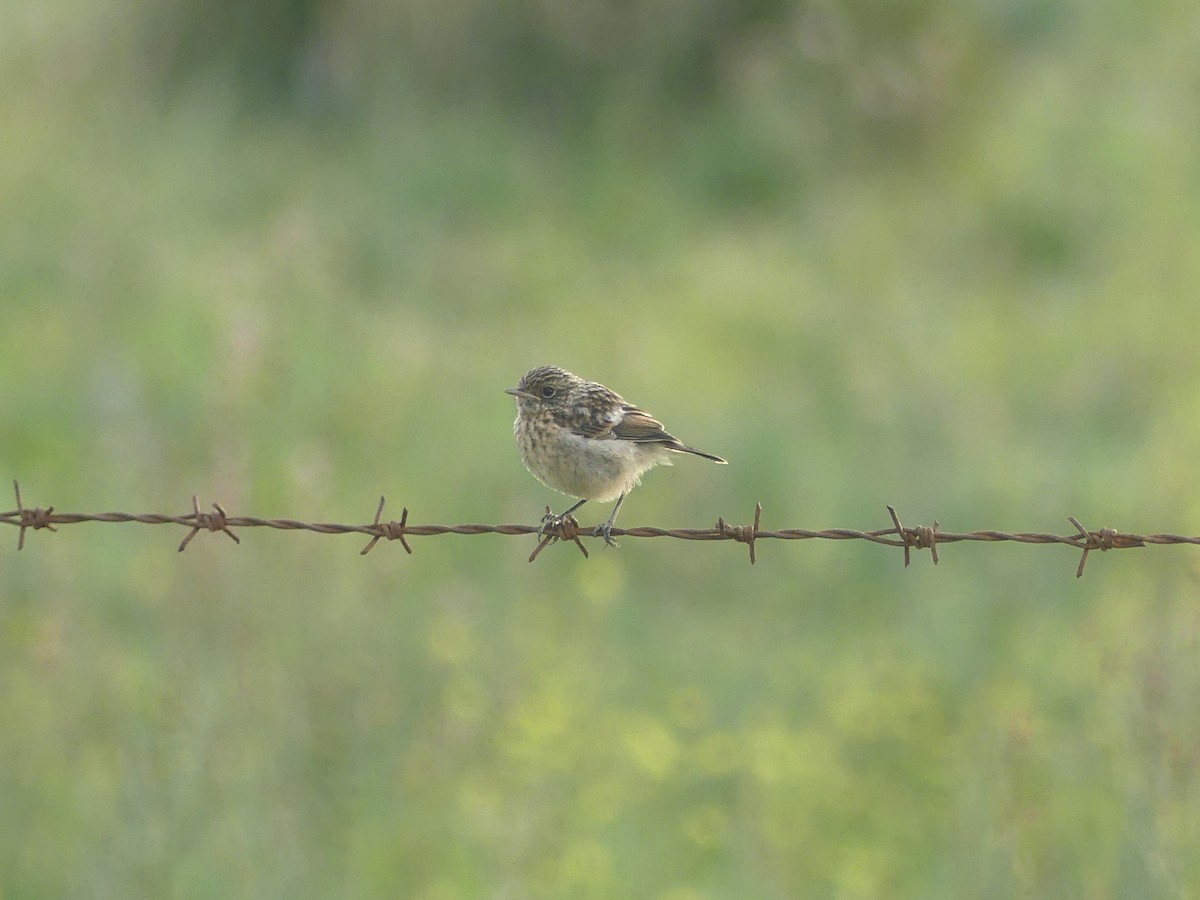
[{"x": 952, "y": 268}]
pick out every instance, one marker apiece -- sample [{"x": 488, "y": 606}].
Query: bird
[{"x": 582, "y": 439}]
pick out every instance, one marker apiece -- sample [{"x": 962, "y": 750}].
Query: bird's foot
[
  {"x": 565, "y": 526},
  {"x": 558, "y": 528},
  {"x": 605, "y": 531}
]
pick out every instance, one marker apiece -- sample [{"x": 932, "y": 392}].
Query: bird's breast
[{"x": 590, "y": 468}]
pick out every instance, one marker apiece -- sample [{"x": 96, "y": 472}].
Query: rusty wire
[{"x": 554, "y": 529}]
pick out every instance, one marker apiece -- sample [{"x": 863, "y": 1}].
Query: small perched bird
[{"x": 582, "y": 439}]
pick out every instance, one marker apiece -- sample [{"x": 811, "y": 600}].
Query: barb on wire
[
  {"x": 217, "y": 521},
  {"x": 393, "y": 530},
  {"x": 745, "y": 534},
  {"x": 558, "y": 528},
  {"x": 30, "y": 518},
  {"x": 566, "y": 528},
  {"x": 922, "y": 537},
  {"x": 1105, "y": 539}
]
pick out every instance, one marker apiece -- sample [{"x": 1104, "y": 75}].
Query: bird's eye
[{"x": 548, "y": 392}]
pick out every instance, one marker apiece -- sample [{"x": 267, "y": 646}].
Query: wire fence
[{"x": 566, "y": 528}]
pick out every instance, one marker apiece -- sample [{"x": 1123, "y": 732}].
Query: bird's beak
[{"x": 518, "y": 393}]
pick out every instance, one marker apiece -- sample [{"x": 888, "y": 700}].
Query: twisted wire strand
[{"x": 566, "y": 528}]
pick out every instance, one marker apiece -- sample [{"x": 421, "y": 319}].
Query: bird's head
[{"x": 545, "y": 387}]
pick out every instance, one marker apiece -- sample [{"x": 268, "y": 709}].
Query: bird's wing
[
  {"x": 638, "y": 425},
  {"x": 627, "y": 423}
]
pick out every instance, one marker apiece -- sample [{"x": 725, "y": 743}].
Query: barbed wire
[{"x": 566, "y": 528}]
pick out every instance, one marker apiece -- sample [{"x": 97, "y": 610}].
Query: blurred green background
[{"x": 286, "y": 254}]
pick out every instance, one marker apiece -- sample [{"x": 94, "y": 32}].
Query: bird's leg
[
  {"x": 550, "y": 520},
  {"x": 605, "y": 530}
]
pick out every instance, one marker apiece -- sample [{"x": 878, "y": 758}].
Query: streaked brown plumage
[{"x": 582, "y": 439}]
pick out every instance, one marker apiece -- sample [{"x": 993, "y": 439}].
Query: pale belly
[{"x": 588, "y": 468}]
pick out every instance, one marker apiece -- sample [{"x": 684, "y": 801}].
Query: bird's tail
[{"x": 692, "y": 450}]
